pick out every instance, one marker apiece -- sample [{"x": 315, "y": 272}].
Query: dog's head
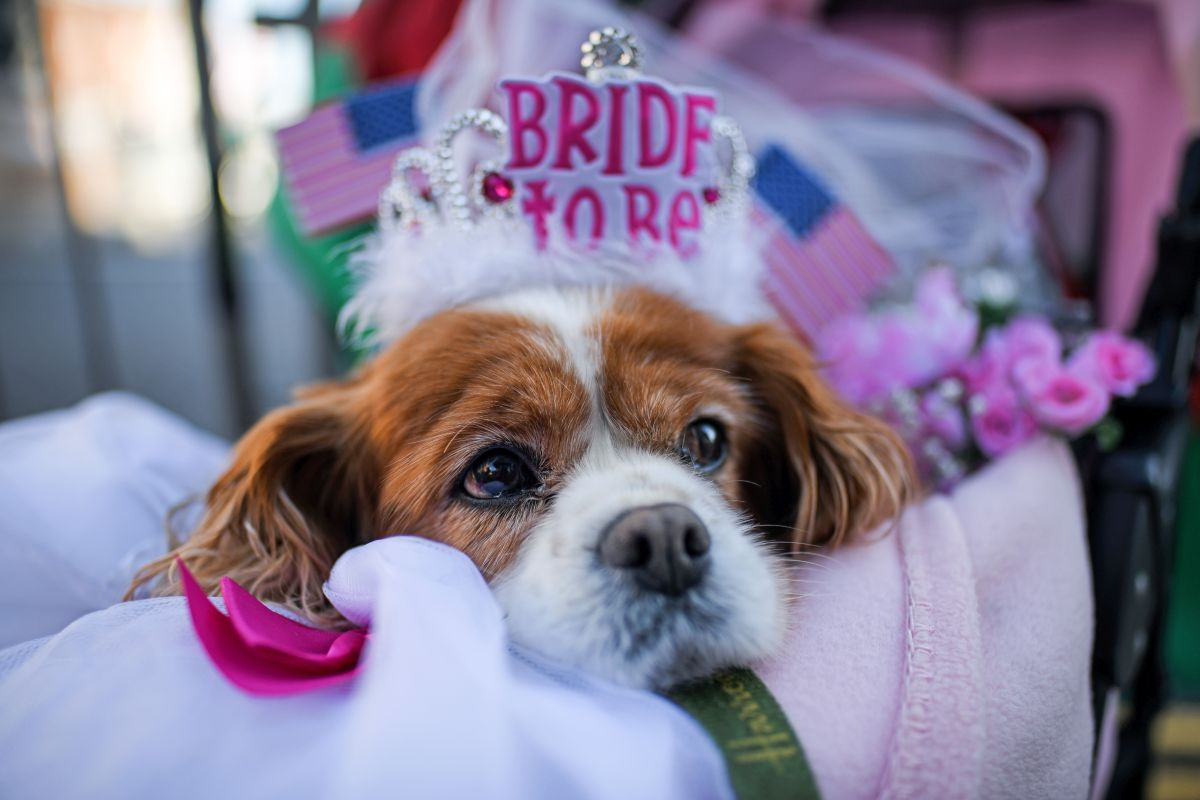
[{"x": 630, "y": 475}]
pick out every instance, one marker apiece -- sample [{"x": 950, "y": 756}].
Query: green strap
[{"x": 761, "y": 751}]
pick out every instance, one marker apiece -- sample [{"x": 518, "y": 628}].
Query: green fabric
[
  {"x": 761, "y": 751},
  {"x": 1183, "y": 616},
  {"x": 334, "y": 72},
  {"x": 321, "y": 260}
]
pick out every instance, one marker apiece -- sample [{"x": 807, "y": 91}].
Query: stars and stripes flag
[
  {"x": 820, "y": 261},
  {"x": 339, "y": 158}
]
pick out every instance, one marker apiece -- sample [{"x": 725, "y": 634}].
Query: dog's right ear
[
  {"x": 302, "y": 489},
  {"x": 822, "y": 468}
]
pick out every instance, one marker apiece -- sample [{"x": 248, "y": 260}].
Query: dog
[{"x": 631, "y": 476}]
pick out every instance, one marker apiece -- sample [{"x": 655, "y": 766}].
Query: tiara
[{"x": 612, "y": 177}]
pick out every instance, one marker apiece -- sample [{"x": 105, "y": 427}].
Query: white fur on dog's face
[
  {"x": 562, "y": 600},
  {"x": 591, "y": 395}
]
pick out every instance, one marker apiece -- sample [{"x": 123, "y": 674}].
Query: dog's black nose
[{"x": 665, "y": 547}]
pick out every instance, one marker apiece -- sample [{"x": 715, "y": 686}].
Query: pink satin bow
[{"x": 263, "y": 652}]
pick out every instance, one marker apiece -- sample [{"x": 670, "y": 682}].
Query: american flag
[
  {"x": 339, "y": 158},
  {"x": 820, "y": 261}
]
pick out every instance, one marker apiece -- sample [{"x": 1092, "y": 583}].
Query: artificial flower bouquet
[{"x": 962, "y": 388}]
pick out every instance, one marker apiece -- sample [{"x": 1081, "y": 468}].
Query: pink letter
[
  {"x": 615, "y": 163},
  {"x": 693, "y": 131},
  {"x": 589, "y": 194},
  {"x": 538, "y": 206},
  {"x": 652, "y": 91},
  {"x": 520, "y": 125},
  {"x": 572, "y": 135},
  {"x": 645, "y": 221},
  {"x": 684, "y": 220}
]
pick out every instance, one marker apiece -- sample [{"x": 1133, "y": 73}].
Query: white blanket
[{"x": 124, "y": 702}]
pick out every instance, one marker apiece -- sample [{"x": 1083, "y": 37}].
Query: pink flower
[
  {"x": 1061, "y": 398},
  {"x": 949, "y": 326},
  {"x": 985, "y": 370},
  {"x": 848, "y": 348},
  {"x": 1023, "y": 339},
  {"x": 1119, "y": 364},
  {"x": 1001, "y": 423},
  {"x": 937, "y": 291},
  {"x": 1031, "y": 337},
  {"x": 902, "y": 358},
  {"x": 869, "y": 355},
  {"x": 865, "y": 357}
]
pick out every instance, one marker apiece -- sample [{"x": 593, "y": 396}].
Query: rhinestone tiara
[
  {"x": 609, "y": 178},
  {"x": 657, "y": 172}
]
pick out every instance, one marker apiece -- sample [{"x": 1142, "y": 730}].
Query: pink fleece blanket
[{"x": 951, "y": 659}]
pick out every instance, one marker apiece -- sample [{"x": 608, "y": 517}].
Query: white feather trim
[{"x": 404, "y": 276}]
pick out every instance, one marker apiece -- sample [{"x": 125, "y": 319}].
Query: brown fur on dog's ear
[
  {"x": 825, "y": 470},
  {"x": 302, "y": 489}
]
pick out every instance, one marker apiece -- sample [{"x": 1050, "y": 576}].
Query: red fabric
[{"x": 390, "y": 38}]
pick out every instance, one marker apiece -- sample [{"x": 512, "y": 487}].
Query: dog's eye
[
  {"x": 498, "y": 473},
  {"x": 704, "y": 444}
]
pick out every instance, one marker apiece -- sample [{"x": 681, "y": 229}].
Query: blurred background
[
  {"x": 112, "y": 272},
  {"x": 146, "y": 243}
]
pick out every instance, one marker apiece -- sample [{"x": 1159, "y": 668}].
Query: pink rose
[
  {"x": 866, "y": 356},
  {"x": 936, "y": 291},
  {"x": 1032, "y": 375},
  {"x": 1023, "y": 339},
  {"x": 1000, "y": 423},
  {"x": 1031, "y": 337},
  {"x": 1117, "y": 363},
  {"x": 848, "y": 349},
  {"x": 985, "y": 370},
  {"x": 902, "y": 359},
  {"x": 1061, "y": 398},
  {"x": 950, "y": 325}
]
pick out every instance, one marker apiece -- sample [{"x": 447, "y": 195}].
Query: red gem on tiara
[
  {"x": 497, "y": 188},
  {"x": 711, "y": 194}
]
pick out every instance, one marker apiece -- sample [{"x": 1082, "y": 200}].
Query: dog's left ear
[
  {"x": 300, "y": 491},
  {"x": 817, "y": 466}
]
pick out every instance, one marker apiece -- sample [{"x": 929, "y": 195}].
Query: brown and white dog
[{"x": 631, "y": 476}]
